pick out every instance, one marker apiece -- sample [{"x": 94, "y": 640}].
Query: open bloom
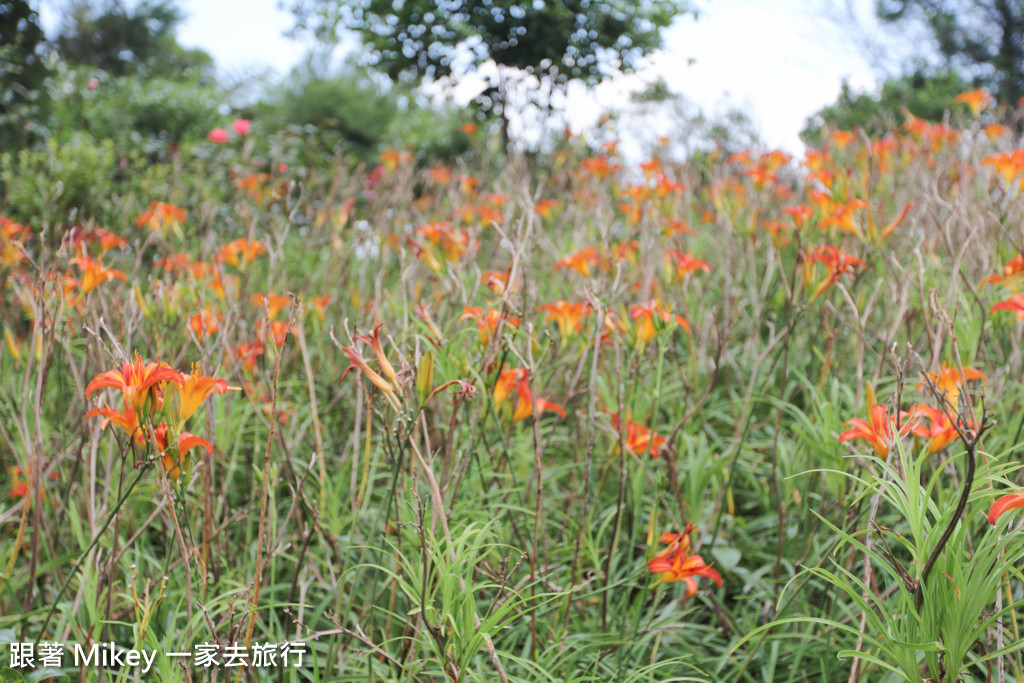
[
  {"x": 837, "y": 262},
  {"x": 877, "y": 432},
  {"x": 639, "y": 439},
  {"x": 195, "y": 388},
  {"x": 581, "y": 261},
  {"x": 949, "y": 381},
  {"x": 977, "y": 100},
  {"x": 488, "y": 321},
  {"x": 518, "y": 380},
  {"x": 939, "y": 431},
  {"x": 1007, "y": 502},
  {"x": 141, "y": 383},
  {"x": 568, "y": 315},
  {"x": 161, "y": 215},
  {"x": 240, "y": 252},
  {"x": 681, "y": 264},
  {"x": 217, "y": 136},
  {"x": 1015, "y": 303},
  {"x": 173, "y": 462},
  {"x": 128, "y": 420},
  {"x": 207, "y": 321},
  {"x": 675, "y": 563},
  {"x": 649, "y": 319},
  {"x": 94, "y": 273},
  {"x": 1011, "y": 271}
]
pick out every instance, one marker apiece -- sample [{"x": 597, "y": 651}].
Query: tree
[
  {"x": 983, "y": 37},
  {"x": 552, "y": 42},
  {"x": 23, "y": 96},
  {"x": 123, "y": 41}
]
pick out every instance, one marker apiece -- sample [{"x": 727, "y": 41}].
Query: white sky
[{"x": 779, "y": 60}]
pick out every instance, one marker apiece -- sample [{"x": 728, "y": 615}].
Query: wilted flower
[{"x": 1003, "y": 504}]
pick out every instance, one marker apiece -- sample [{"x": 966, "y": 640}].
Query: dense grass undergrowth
[{"x": 739, "y": 419}]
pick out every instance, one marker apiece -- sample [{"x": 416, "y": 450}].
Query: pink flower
[
  {"x": 241, "y": 126},
  {"x": 217, "y": 135},
  {"x": 93, "y": 83}
]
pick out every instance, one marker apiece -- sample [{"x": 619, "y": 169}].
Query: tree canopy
[
  {"x": 556, "y": 42},
  {"x": 123, "y": 40},
  {"x": 983, "y": 37},
  {"x": 23, "y": 98}
]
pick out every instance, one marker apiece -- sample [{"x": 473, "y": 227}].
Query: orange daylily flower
[
  {"x": 240, "y": 252},
  {"x": 247, "y": 354},
  {"x": 1003, "y": 504},
  {"x": 681, "y": 264},
  {"x": 19, "y": 487},
  {"x": 843, "y": 138},
  {"x": 452, "y": 244},
  {"x": 320, "y": 304},
  {"x": 568, "y": 315},
  {"x": 496, "y": 280},
  {"x": 598, "y": 166},
  {"x": 277, "y": 330},
  {"x": 274, "y": 303},
  {"x": 506, "y": 383},
  {"x": 141, "y": 384},
  {"x": 877, "y": 432},
  {"x": 545, "y": 208},
  {"x": 675, "y": 563},
  {"x": 524, "y": 406},
  {"x": 174, "y": 263},
  {"x": 800, "y": 213},
  {"x": 186, "y": 442},
  {"x": 94, "y": 274},
  {"x": 1015, "y": 303},
  {"x": 939, "y": 433},
  {"x": 518, "y": 380},
  {"x": 949, "y": 381},
  {"x": 1011, "y": 271},
  {"x": 489, "y": 321},
  {"x": 392, "y": 158},
  {"x": 649, "y": 319},
  {"x": 1010, "y": 165},
  {"x": 842, "y": 217},
  {"x": 206, "y": 322},
  {"x": 837, "y": 262},
  {"x": 639, "y": 439},
  {"x": 977, "y": 99},
  {"x": 160, "y": 216},
  {"x": 195, "y": 388},
  {"x": 674, "y": 226},
  {"x": 254, "y": 185},
  {"x": 994, "y": 131},
  {"x": 127, "y": 420}
]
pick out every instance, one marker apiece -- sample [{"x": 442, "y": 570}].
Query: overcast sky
[{"x": 779, "y": 60}]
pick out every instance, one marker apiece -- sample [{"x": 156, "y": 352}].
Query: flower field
[{"x": 556, "y": 418}]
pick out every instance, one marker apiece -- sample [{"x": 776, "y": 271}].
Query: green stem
[{"x": 85, "y": 553}]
